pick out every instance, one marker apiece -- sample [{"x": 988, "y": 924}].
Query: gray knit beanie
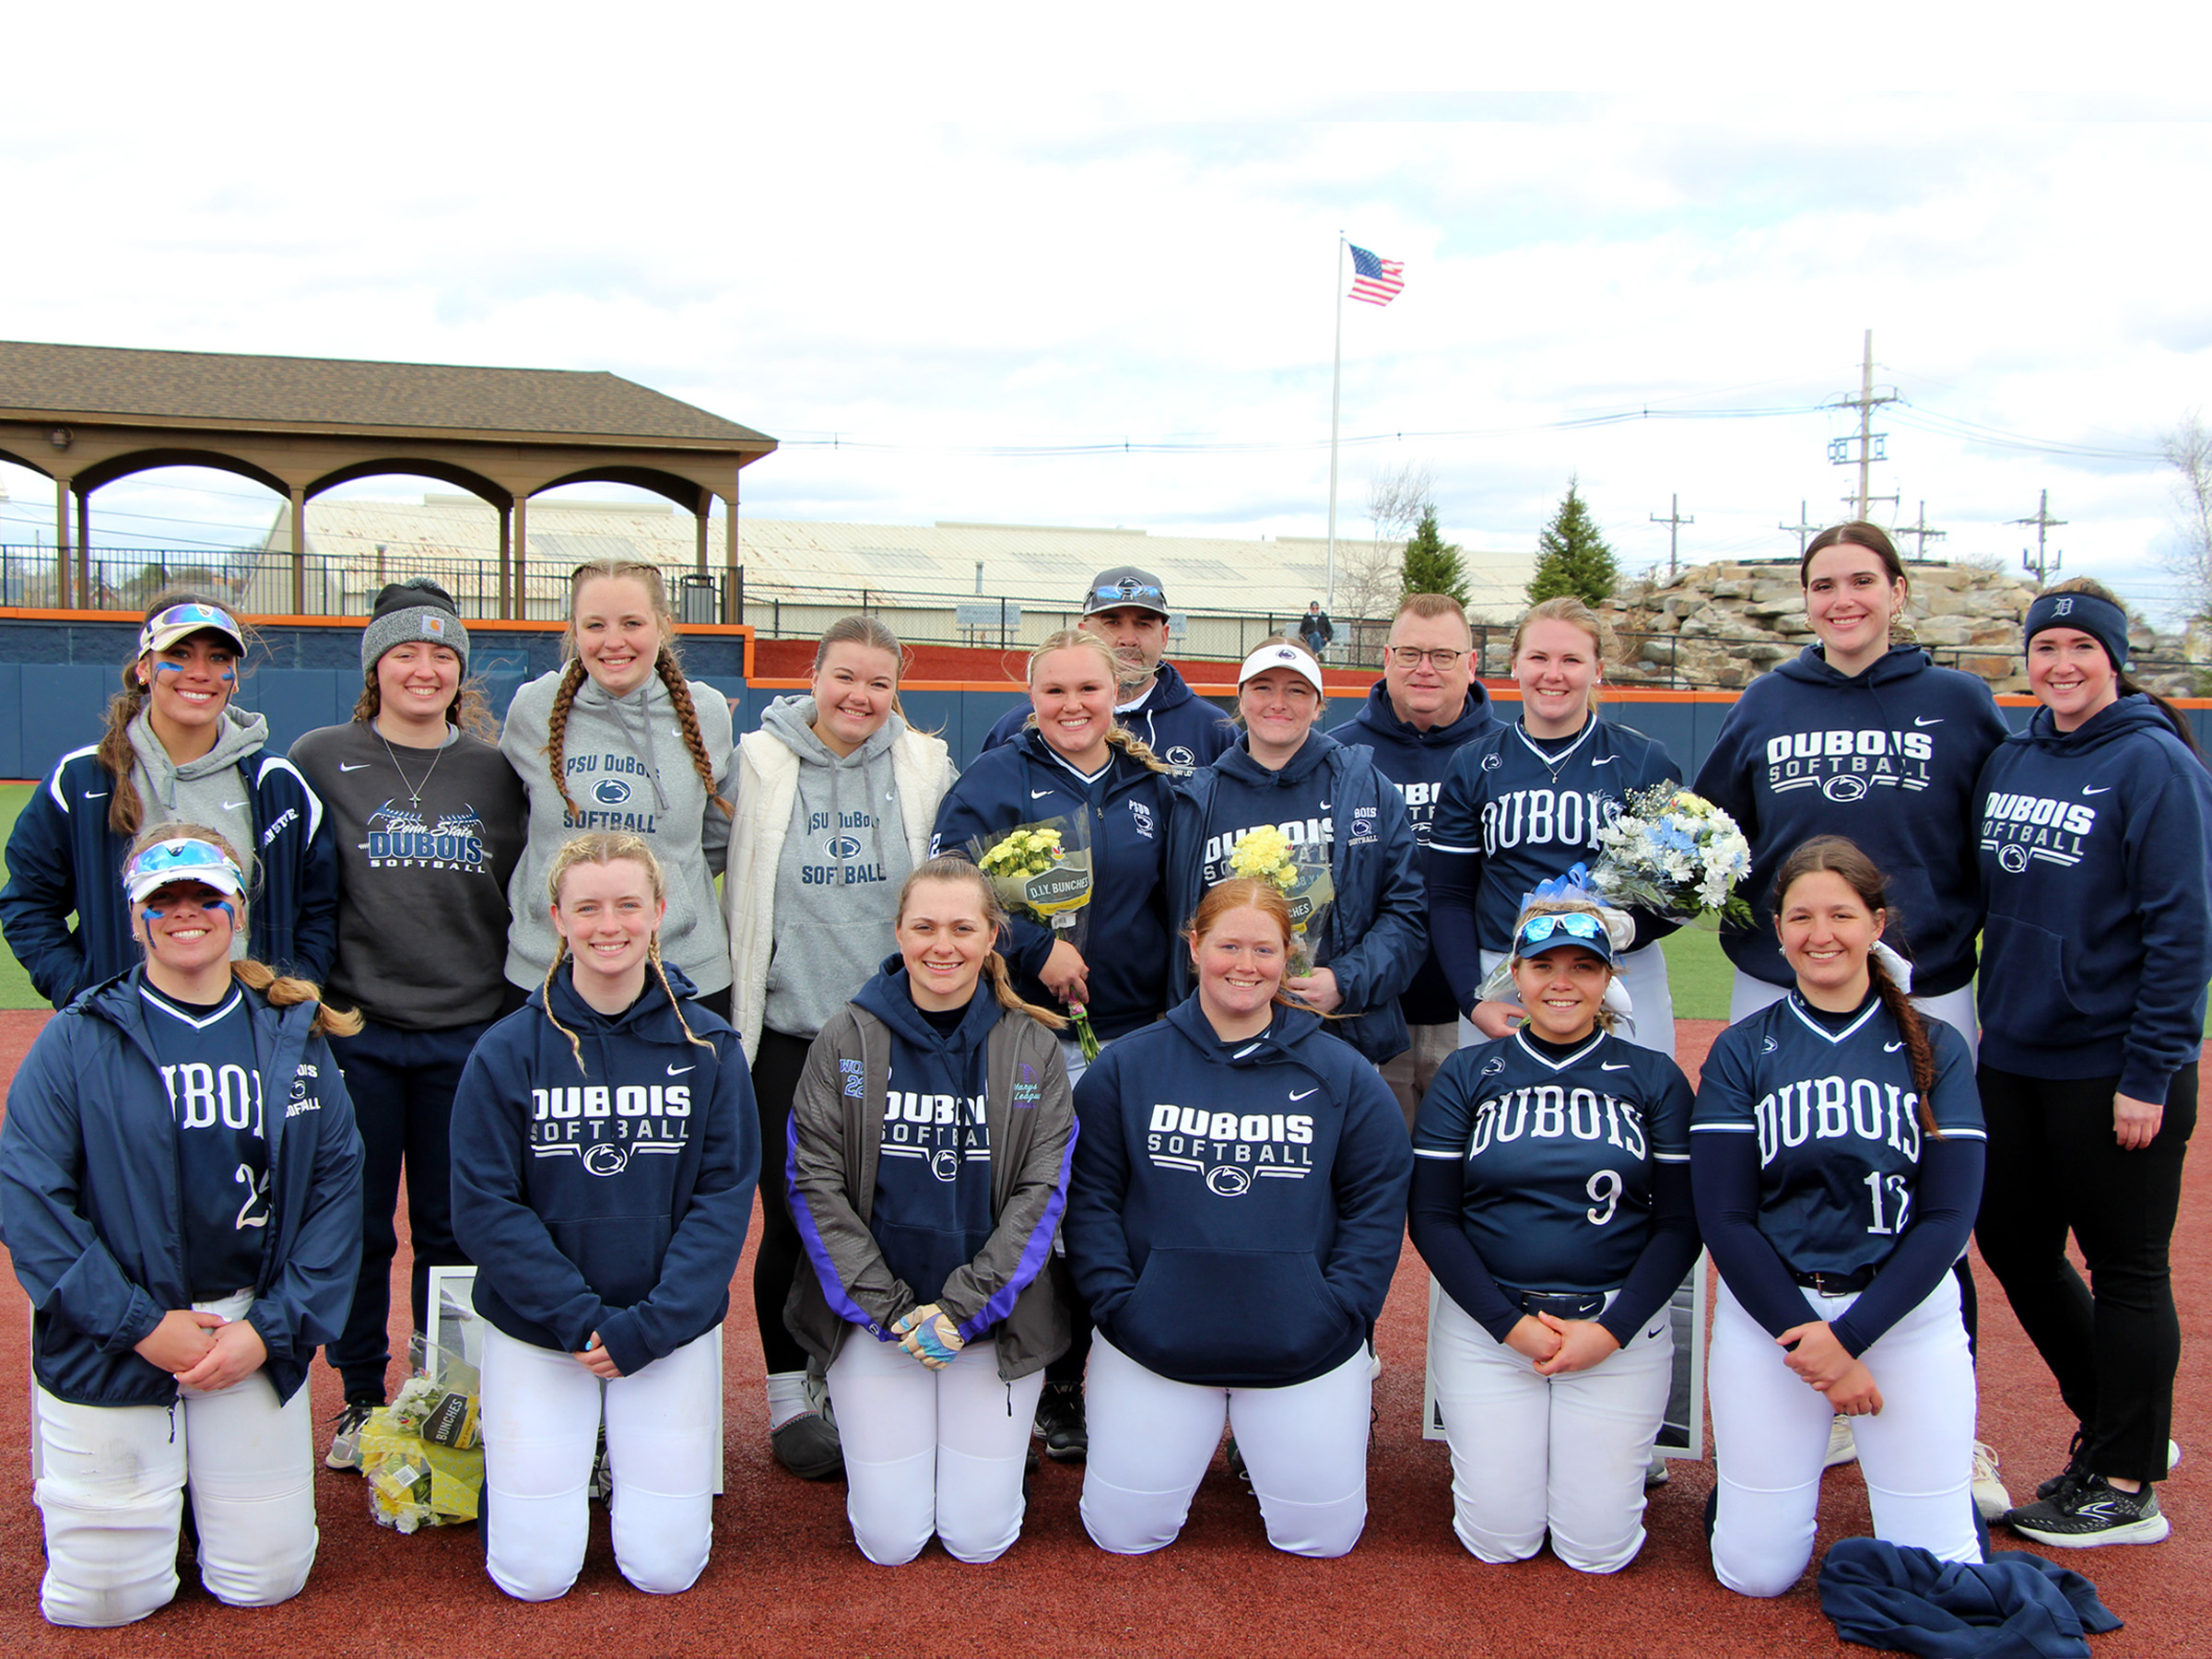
[{"x": 415, "y": 610}]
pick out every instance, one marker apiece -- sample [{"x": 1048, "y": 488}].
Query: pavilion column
[
  {"x": 84, "y": 548},
  {"x": 733, "y": 577},
  {"x": 521, "y": 557},
  {"x": 299, "y": 551},
  {"x": 61, "y": 542},
  {"x": 506, "y": 553},
  {"x": 704, "y": 508}
]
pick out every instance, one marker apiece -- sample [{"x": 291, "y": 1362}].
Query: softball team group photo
[{"x": 1090, "y": 1094}]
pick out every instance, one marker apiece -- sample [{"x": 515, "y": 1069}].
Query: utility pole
[
  {"x": 1922, "y": 533},
  {"x": 2039, "y": 564},
  {"x": 1803, "y": 529},
  {"x": 1674, "y": 521},
  {"x": 1872, "y": 444}
]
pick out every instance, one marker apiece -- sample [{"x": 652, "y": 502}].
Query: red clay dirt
[{"x": 786, "y": 1578}]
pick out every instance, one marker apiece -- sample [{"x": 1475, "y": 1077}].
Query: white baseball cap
[{"x": 1279, "y": 655}]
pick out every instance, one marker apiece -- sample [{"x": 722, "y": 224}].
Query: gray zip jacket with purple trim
[{"x": 834, "y": 1144}]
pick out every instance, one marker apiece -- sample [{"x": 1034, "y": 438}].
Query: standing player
[
  {"x": 1237, "y": 1210},
  {"x": 1128, "y": 609},
  {"x": 603, "y": 1159},
  {"x": 426, "y": 819},
  {"x": 1837, "y": 1156},
  {"x": 1551, "y": 1200},
  {"x": 181, "y": 1186},
  {"x": 929, "y": 1149},
  {"x": 2098, "y": 942},
  {"x": 1524, "y": 803},
  {"x": 1428, "y": 707}
]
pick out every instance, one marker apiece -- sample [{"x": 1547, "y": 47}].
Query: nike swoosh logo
[
  {"x": 1892, "y": 1048},
  {"x": 232, "y": 805},
  {"x": 1327, "y": 805},
  {"x": 1654, "y": 1330},
  {"x": 1039, "y": 795},
  {"x": 1612, "y": 1065},
  {"x": 677, "y": 1071},
  {"x": 1296, "y": 1096},
  {"x": 2106, "y": 790},
  {"x": 96, "y": 794},
  {"x": 357, "y": 766},
  {"x": 1606, "y": 761},
  {"x": 1922, "y": 720}
]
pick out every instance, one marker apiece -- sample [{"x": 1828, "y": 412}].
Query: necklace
[
  {"x": 1565, "y": 755},
  {"x": 414, "y": 790}
]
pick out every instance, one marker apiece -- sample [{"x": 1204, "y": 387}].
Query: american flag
[{"x": 1377, "y": 281}]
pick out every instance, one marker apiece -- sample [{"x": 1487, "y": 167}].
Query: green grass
[
  {"x": 15, "y": 984},
  {"x": 1698, "y": 974}
]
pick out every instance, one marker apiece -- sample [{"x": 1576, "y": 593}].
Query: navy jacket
[
  {"x": 1375, "y": 936},
  {"x": 1236, "y": 1215},
  {"x": 612, "y": 1198},
  {"x": 91, "y": 1206},
  {"x": 62, "y": 857},
  {"x": 1417, "y": 762},
  {"x": 1176, "y": 724},
  {"x": 1124, "y": 929},
  {"x": 2098, "y": 939},
  {"x": 2017, "y": 1604},
  {"x": 1888, "y": 758}
]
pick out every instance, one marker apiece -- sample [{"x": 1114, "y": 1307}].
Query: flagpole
[{"x": 1336, "y": 397}]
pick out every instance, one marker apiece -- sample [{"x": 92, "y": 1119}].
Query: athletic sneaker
[
  {"x": 2091, "y": 1512},
  {"x": 346, "y": 1434},
  {"x": 1842, "y": 1447},
  {"x": 1060, "y": 1422},
  {"x": 808, "y": 1445},
  {"x": 1990, "y": 1500},
  {"x": 1656, "y": 1472},
  {"x": 2074, "y": 1470}
]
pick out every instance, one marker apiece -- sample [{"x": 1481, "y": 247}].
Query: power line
[
  {"x": 1674, "y": 522},
  {"x": 1871, "y": 443}
]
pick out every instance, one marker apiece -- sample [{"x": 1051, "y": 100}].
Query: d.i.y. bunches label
[{"x": 611, "y": 792}]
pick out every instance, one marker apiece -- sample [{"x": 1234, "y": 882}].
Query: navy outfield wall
[{"x": 57, "y": 671}]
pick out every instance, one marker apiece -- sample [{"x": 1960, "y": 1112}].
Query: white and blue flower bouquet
[{"x": 1674, "y": 852}]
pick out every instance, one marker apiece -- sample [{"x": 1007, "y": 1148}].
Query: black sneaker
[
  {"x": 1060, "y": 1422},
  {"x": 346, "y": 1434},
  {"x": 2091, "y": 1512},
  {"x": 2069, "y": 1476}
]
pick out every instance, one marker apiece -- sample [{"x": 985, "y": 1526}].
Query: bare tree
[
  {"x": 2188, "y": 449},
  {"x": 1367, "y": 588}
]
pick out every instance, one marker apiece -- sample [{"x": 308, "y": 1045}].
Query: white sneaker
[
  {"x": 1656, "y": 1472},
  {"x": 2173, "y": 1456},
  {"x": 1990, "y": 1496},
  {"x": 1842, "y": 1447}
]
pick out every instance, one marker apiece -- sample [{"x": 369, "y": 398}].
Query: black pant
[
  {"x": 775, "y": 1081},
  {"x": 402, "y": 1086},
  {"x": 2115, "y": 1345}
]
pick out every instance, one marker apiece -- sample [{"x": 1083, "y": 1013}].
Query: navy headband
[{"x": 2099, "y": 618}]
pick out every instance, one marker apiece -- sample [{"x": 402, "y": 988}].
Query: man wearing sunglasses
[
  {"x": 1427, "y": 705},
  {"x": 1128, "y": 609}
]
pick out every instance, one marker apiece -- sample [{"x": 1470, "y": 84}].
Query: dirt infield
[{"x": 786, "y": 1578}]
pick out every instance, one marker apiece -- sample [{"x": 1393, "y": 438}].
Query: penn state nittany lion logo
[
  {"x": 1492, "y": 761},
  {"x": 1844, "y": 788},
  {"x": 610, "y": 792},
  {"x": 1492, "y": 1067},
  {"x": 844, "y": 846},
  {"x": 945, "y": 1164},
  {"x": 1226, "y": 1180},
  {"x": 1181, "y": 754},
  {"x": 607, "y": 1158},
  {"x": 2012, "y": 857}
]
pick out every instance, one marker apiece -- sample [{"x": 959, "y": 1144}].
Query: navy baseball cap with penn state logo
[{"x": 1128, "y": 587}]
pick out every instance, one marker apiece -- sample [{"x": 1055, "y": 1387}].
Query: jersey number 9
[{"x": 1605, "y": 1188}]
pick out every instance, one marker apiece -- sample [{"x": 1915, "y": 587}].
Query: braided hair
[
  {"x": 1118, "y": 737},
  {"x": 1840, "y": 856},
  {"x": 665, "y": 662},
  {"x": 606, "y": 847}
]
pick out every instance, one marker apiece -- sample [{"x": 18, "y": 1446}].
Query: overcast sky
[{"x": 938, "y": 242}]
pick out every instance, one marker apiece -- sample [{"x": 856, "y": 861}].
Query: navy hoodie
[
  {"x": 1888, "y": 758},
  {"x": 932, "y": 1214},
  {"x": 614, "y": 1198},
  {"x": 1416, "y": 760},
  {"x": 2099, "y": 938},
  {"x": 1376, "y": 930},
  {"x": 1236, "y": 1211},
  {"x": 1124, "y": 933},
  {"x": 1176, "y": 724}
]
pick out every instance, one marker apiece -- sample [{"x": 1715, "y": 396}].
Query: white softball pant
[
  {"x": 1642, "y": 972},
  {"x": 1304, "y": 1447},
  {"x": 1748, "y": 995},
  {"x": 541, "y": 1415},
  {"x": 1769, "y": 1433},
  {"x": 1566, "y": 1453},
  {"x": 931, "y": 1453},
  {"x": 111, "y": 1489}
]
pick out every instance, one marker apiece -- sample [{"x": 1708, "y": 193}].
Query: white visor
[{"x": 1280, "y": 656}]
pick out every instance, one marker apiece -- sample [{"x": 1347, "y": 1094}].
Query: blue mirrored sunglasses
[
  {"x": 1576, "y": 925},
  {"x": 179, "y": 861},
  {"x": 1129, "y": 591}
]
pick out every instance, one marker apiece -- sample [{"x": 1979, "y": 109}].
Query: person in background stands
[
  {"x": 1426, "y": 706},
  {"x": 1315, "y": 628},
  {"x": 1128, "y": 609},
  {"x": 427, "y": 820}
]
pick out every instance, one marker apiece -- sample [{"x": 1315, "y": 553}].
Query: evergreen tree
[
  {"x": 1431, "y": 564},
  {"x": 1572, "y": 557}
]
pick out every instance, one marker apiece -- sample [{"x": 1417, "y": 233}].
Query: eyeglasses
[
  {"x": 1578, "y": 924},
  {"x": 1412, "y": 656}
]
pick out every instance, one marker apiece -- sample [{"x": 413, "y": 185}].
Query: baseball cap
[
  {"x": 1280, "y": 656},
  {"x": 180, "y": 622},
  {"x": 1125, "y": 585},
  {"x": 185, "y": 859}
]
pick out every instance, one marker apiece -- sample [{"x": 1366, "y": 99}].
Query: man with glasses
[
  {"x": 1128, "y": 609},
  {"x": 1428, "y": 704}
]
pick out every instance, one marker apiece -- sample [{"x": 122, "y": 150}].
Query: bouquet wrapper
[
  {"x": 422, "y": 1457},
  {"x": 1042, "y": 871},
  {"x": 1313, "y": 891}
]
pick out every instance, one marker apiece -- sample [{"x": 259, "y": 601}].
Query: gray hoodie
[
  {"x": 216, "y": 790},
  {"x": 627, "y": 768},
  {"x": 837, "y": 879}
]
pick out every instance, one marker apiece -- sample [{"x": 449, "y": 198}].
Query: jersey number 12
[{"x": 1876, "y": 1183}]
